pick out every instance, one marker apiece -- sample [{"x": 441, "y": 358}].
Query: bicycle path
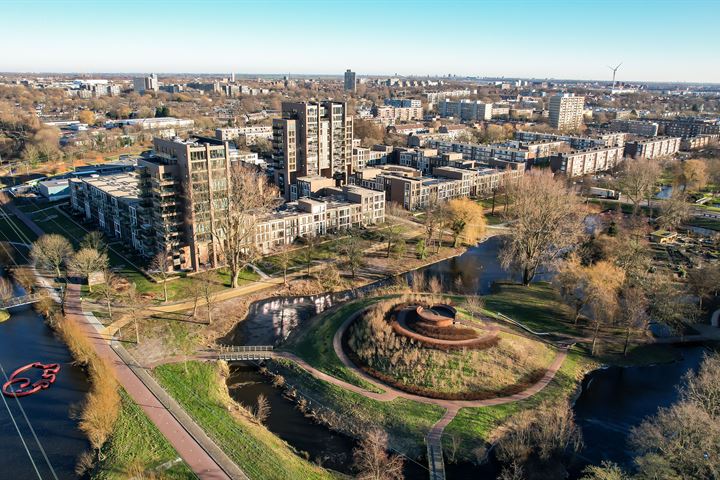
[{"x": 191, "y": 443}]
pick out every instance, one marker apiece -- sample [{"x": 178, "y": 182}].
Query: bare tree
[
  {"x": 674, "y": 211},
  {"x": 192, "y": 290},
  {"x": 392, "y": 235},
  {"x": 25, "y": 277},
  {"x": 249, "y": 199},
  {"x": 474, "y": 305},
  {"x": 206, "y": 281},
  {"x": 681, "y": 441},
  {"x": 571, "y": 281},
  {"x": 352, "y": 252},
  {"x": 87, "y": 261},
  {"x": 548, "y": 220},
  {"x": 637, "y": 180},
  {"x": 630, "y": 251},
  {"x": 603, "y": 285},
  {"x": 311, "y": 243},
  {"x": 432, "y": 221},
  {"x": 704, "y": 280},
  {"x": 162, "y": 266},
  {"x": 135, "y": 305},
  {"x": 693, "y": 174},
  {"x": 6, "y": 289},
  {"x": 108, "y": 289},
  {"x": 372, "y": 461},
  {"x": 633, "y": 312},
  {"x": 604, "y": 471},
  {"x": 666, "y": 303},
  {"x": 329, "y": 277},
  {"x": 95, "y": 241},
  {"x": 285, "y": 259},
  {"x": 545, "y": 437},
  {"x": 51, "y": 252}
]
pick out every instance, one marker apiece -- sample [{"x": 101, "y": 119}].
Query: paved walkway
[
  {"x": 434, "y": 437},
  {"x": 192, "y": 444}
]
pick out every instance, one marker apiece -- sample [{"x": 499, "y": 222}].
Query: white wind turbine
[{"x": 614, "y": 70}]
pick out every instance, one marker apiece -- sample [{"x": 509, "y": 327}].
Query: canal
[
  {"x": 24, "y": 339},
  {"x": 613, "y": 400}
]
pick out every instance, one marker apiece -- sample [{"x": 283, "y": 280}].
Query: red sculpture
[{"x": 22, "y": 386}]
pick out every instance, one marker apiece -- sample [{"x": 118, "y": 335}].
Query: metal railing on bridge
[
  {"x": 244, "y": 352},
  {"x": 22, "y": 300},
  {"x": 436, "y": 463}
]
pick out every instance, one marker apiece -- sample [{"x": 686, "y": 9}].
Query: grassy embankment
[
  {"x": 137, "y": 447},
  {"x": 460, "y": 436},
  {"x": 9, "y": 230},
  {"x": 123, "y": 440},
  {"x": 202, "y": 392},
  {"x": 407, "y": 422},
  {"x": 314, "y": 343},
  {"x": 537, "y": 306},
  {"x": 540, "y": 308}
]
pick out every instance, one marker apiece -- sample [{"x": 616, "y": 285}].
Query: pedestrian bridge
[
  {"x": 22, "y": 300},
  {"x": 237, "y": 353}
]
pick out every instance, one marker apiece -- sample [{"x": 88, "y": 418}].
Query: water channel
[
  {"x": 612, "y": 401},
  {"x": 24, "y": 339}
]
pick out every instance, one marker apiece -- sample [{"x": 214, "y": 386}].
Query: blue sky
[{"x": 660, "y": 40}]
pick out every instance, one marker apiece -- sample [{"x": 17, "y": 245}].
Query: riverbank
[
  {"x": 26, "y": 338},
  {"x": 401, "y": 417},
  {"x": 473, "y": 429},
  {"x": 200, "y": 388},
  {"x": 123, "y": 440},
  {"x": 172, "y": 330},
  {"x": 137, "y": 449}
]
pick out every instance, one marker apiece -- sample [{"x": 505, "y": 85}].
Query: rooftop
[{"x": 121, "y": 185}]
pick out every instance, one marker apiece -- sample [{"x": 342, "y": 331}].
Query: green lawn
[
  {"x": 136, "y": 447},
  {"x": 263, "y": 456},
  {"x": 473, "y": 426},
  {"x": 705, "y": 222},
  {"x": 538, "y": 306},
  {"x": 271, "y": 264},
  {"x": 407, "y": 422},
  {"x": 709, "y": 207},
  {"x": 13, "y": 230},
  {"x": 52, "y": 221},
  {"x": 499, "y": 202},
  {"x": 126, "y": 264},
  {"x": 495, "y": 219}
]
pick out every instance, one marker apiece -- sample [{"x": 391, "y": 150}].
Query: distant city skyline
[{"x": 661, "y": 40}]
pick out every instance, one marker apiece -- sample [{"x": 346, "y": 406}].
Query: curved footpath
[{"x": 434, "y": 438}]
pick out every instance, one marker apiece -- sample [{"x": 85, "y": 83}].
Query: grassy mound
[{"x": 512, "y": 365}]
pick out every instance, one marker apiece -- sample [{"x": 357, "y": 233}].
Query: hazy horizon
[{"x": 659, "y": 41}]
